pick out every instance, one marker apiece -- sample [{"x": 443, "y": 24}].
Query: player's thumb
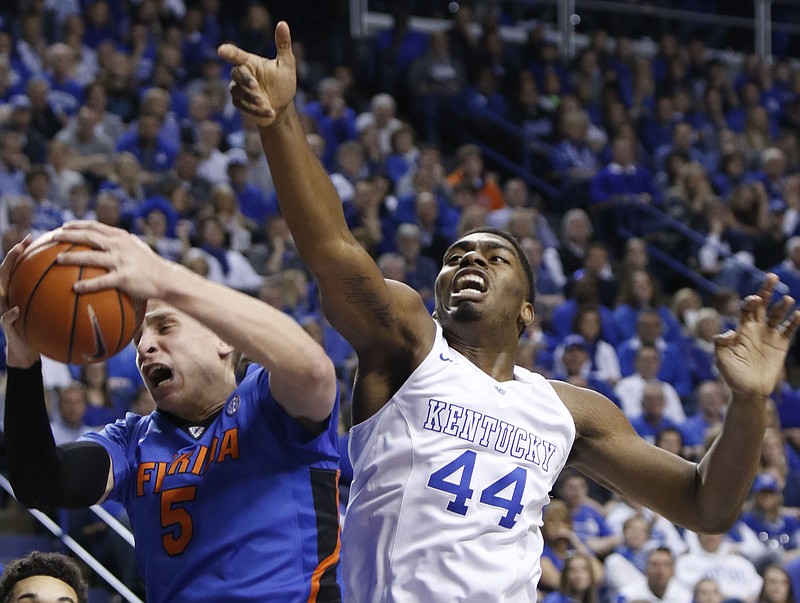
[
  {"x": 233, "y": 54},
  {"x": 283, "y": 42}
]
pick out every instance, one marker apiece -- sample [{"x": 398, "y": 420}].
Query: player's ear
[
  {"x": 526, "y": 315},
  {"x": 224, "y": 349}
]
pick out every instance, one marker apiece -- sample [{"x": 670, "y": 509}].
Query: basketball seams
[
  {"x": 30, "y": 297},
  {"x": 74, "y": 322},
  {"x": 122, "y": 316}
]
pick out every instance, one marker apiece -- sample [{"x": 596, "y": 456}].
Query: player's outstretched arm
[
  {"x": 376, "y": 319},
  {"x": 302, "y": 376},
  {"x": 41, "y": 474},
  {"x": 708, "y": 496}
]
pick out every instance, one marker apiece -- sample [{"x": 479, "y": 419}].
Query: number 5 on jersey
[
  {"x": 175, "y": 520},
  {"x": 491, "y": 495}
]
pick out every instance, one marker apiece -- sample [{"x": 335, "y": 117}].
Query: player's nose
[
  {"x": 473, "y": 257},
  {"x": 146, "y": 344}
]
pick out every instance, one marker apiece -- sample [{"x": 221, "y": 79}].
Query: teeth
[
  {"x": 154, "y": 368},
  {"x": 471, "y": 282},
  {"x": 159, "y": 373}
]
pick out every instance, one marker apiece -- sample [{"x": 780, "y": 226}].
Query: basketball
[{"x": 76, "y": 328}]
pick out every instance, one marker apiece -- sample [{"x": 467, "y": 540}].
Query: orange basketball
[{"x": 76, "y": 328}]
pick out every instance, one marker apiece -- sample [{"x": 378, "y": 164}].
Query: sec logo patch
[{"x": 233, "y": 406}]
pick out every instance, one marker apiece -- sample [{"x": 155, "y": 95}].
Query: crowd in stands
[{"x": 119, "y": 111}]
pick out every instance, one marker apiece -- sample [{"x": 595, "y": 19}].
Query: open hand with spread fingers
[
  {"x": 262, "y": 87},
  {"x": 751, "y": 358}
]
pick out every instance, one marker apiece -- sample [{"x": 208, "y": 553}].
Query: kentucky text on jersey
[
  {"x": 487, "y": 431},
  {"x": 195, "y": 461}
]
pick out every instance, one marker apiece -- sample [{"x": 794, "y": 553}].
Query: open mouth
[
  {"x": 470, "y": 283},
  {"x": 159, "y": 375}
]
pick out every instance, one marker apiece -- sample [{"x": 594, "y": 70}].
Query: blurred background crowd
[{"x": 651, "y": 178}]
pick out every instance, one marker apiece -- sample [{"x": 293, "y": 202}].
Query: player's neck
[
  {"x": 185, "y": 423},
  {"x": 496, "y": 361}
]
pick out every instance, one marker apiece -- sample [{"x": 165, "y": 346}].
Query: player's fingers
[
  {"x": 259, "y": 111},
  {"x": 16, "y": 251},
  {"x": 749, "y": 308},
  {"x": 98, "y": 259},
  {"x": 91, "y": 237},
  {"x": 245, "y": 81},
  {"x": 8, "y": 315},
  {"x": 791, "y": 324},
  {"x": 108, "y": 280},
  {"x": 92, "y": 225},
  {"x": 234, "y": 55},
  {"x": 778, "y": 311},
  {"x": 727, "y": 339},
  {"x": 10, "y": 261},
  {"x": 768, "y": 288}
]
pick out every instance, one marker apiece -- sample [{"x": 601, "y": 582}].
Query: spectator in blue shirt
[
  {"x": 253, "y": 203},
  {"x": 579, "y": 581},
  {"x": 652, "y": 420},
  {"x": 155, "y": 153},
  {"x": 587, "y": 520},
  {"x": 684, "y": 140},
  {"x": 46, "y": 214},
  {"x": 13, "y": 162},
  {"x": 657, "y": 130},
  {"x": 789, "y": 269},
  {"x": 585, "y": 292},
  {"x": 640, "y": 291},
  {"x": 773, "y": 172},
  {"x": 712, "y": 401},
  {"x": 335, "y": 121},
  {"x": 573, "y": 364},
  {"x": 780, "y": 530},
  {"x": 421, "y": 271},
  {"x": 700, "y": 348},
  {"x": 574, "y": 161},
  {"x": 674, "y": 368},
  {"x": 615, "y": 191},
  {"x": 481, "y": 103},
  {"x": 66, "y": 94}
]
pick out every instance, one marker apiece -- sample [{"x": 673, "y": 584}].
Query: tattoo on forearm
[{"x": 357, "y": 293}]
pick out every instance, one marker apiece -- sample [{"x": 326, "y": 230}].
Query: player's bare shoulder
[{"x": 593, "y": 413}]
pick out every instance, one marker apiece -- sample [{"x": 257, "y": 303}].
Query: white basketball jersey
[{"x": 450, "y": 478}]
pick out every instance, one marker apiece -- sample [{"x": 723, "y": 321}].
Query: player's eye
[
  {"x": 453, "y": 259},
  {"x": 499, "y": 259}
]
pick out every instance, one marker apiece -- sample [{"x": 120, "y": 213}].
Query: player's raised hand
[
  {"x": 263, "y": 87},
  {"x": 133, "y": 267},
  {"x": 751, "y": 358}
]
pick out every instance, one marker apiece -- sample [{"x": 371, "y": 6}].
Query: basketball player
[
  {"x": 455, "y": 449},
  {"x": 231, "y": 488},
  {"x": 43, "y": 578}
]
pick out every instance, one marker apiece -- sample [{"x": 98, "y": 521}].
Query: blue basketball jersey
[{"x": 242, "y": 510}]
